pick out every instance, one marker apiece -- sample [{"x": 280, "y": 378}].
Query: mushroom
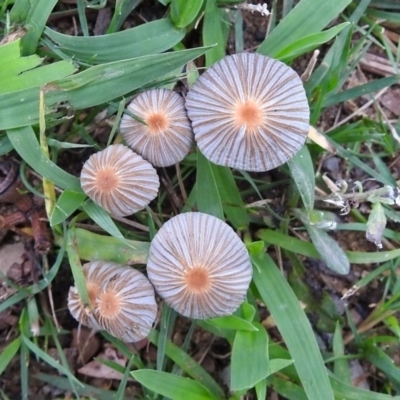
[
  {"x": 119, "y": 180},
  {"x": 122, "y": 301},
  {"x": 199, "y": 266},
  {"x": 126, "y": 305},
  {"x": 249, "y": 112},
  {"x": 95, "y": 274},
  {"x": 167, "y": 136}
]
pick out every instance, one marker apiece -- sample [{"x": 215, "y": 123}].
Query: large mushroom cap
[
  {"x": 119, "y": 180},
  {"x": 199, "y": 266},
  {"x": 122, "y": 301},
  {"x": 168, "y": 136},
  {"x": 249, "y": 112}
]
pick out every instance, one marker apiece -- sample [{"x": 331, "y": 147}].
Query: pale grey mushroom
[
  {"x": 95, "y": 273},
  {"x": 126, "y": 305},
  {"x": 249, "y": 112},
  {"x": 199, "y": 266},
  {"x": 119, "y": 180},
  {"x": 122, "y": 301},
  {"x": 167, "y": 136}
]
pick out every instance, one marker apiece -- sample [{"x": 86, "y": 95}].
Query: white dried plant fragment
[
  {"x": 249, "y": 112},
  {"x": 119, "y": 180},
  {"x": 167, "y": 136},
  {"x": 199, "y": 266}
]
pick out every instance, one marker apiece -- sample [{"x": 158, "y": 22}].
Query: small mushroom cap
[
  {"x": 96, "y": 273},
  {"x": 199, "y": 266},
  {"x": 168, "y": 136},
  {"x": 119, "y": 180},
  {"x": 122, "y": 300},
  {"x": 126, "y": 305},
  {"x": 249, "y": 112}
]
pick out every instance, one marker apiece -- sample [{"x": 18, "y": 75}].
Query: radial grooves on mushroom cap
[
  {"x": 119, "y": 180},
  {"x": 199, "y": 266},
  {"x": 126, "y": 305},
  {"x": 167, "y": 137},
  {"x": 96, "y": 273},
  {"x": 122, "y": 299},
  {"x": 249, "y": 112}
]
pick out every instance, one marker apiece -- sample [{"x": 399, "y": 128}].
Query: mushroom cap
[
  {"x": 168, "y": 136},
  {"x": 119, "y": 180},
  {"x": 122, "y": 300},
  {"x": 126, "y": 305},
  {"x": 96, "y": 273},
  {"x": 249, "y": 112},
  {"x": 199, "y": 266}
]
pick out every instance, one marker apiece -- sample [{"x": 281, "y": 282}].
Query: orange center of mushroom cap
[
  {"x": 197, "y": 280},
  {"x": 107, "y": 180},
  {"x": 157, "y": 123},
  {"x": 248, "y": 114},
  {"x": 108, "y": 304}
]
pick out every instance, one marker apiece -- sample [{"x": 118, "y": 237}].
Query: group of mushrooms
[{"x": 248, "y": 112}]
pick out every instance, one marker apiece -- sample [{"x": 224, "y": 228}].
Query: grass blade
[
  {"x": 92, "y": 246},
  {"x": 250, "y": 360},
  {"x": 293, "y": 325},
  {"x": 308, "y": 249},
  {"x": 188, "y": 365},
  {"x": 27, "y": 146},
  {"x": 151, "y": 38},
  {"x": 47, "y": 359},
  {"x": 8, "y": 353},
  {"x": 308, "y": 17},
  {"x": 172, "y": 386},
  {"x": 302, "y": 170},
  {"x": 207, "y": 194}
]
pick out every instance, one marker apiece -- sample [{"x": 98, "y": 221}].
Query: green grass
[{"x": 67, "y": 81}]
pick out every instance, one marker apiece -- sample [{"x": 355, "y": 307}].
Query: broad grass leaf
[
  {"x": 27, "y": 146},
  {"x": 172, "y": 386},
  {"x": 184, "y": 12},
  {"x": 309, "y": 43},
  {"x": 67, "y": 203},
  {"x": 215, "y": 31},
  {"x": 302, "y": 171},
  {"x": 96, "y": 85},
  {"x": 151, "y": 38},
  {"x": 341, "y": 365},
  {"x": 308, "y": 249},
  {"x": 307, "y": 18},
  {"x": 106, "y": 82},
  {"x": 250, "y": 360},
  {"x": 231, "y": 199},
  {"x": 8, "y": 353},
  {"x": 92, "y": 246},
  {"x": 208, "y": 198},
  {"x": 188, "y": 365},
  {"x": 350, "y": 392},
  {"x": 35, "y": 19},
  {"x": 293, "y": 325},
  {"x": 122, "y": 10},
  {"x": 232, "y": 322},
  {"x": 103, "y": 219},
  {"x": 361, "y": 90}
]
